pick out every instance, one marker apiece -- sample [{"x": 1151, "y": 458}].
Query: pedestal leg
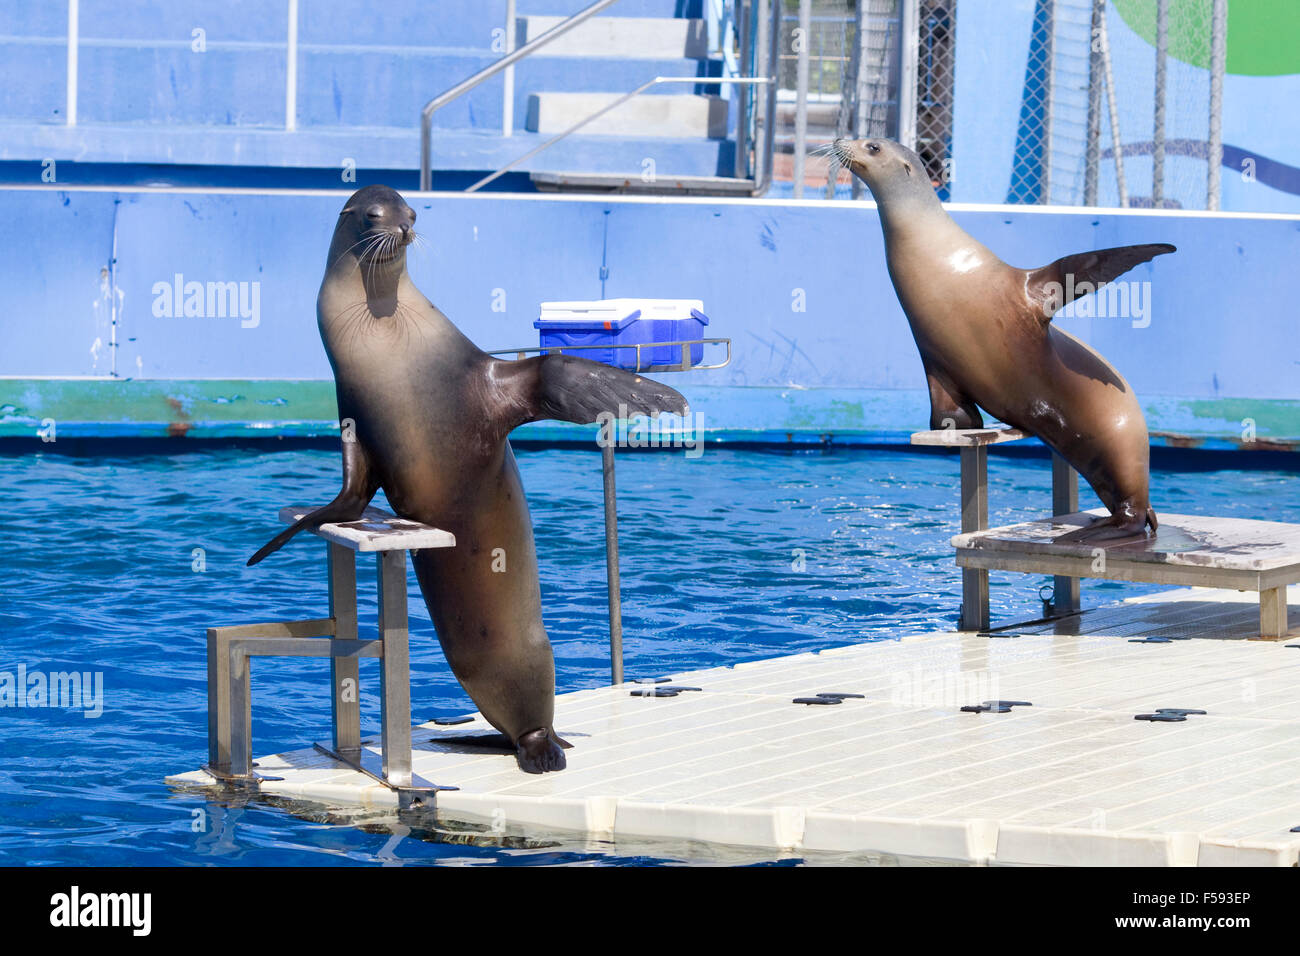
[
  {"x": 395, "y": 669},
  {"x": 611, "y": 566},
  {"x": 1272, "y": 613},
  {"x": 1065, "y": 500},
  {"x": 218, "y": 704},
  {"x": 344, "y": 673},
  {"x": 974, "y": 517},
  {"x": 241, "y": 712}
]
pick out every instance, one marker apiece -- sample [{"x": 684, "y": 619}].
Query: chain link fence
[
  {"x": 855, "y": 67},
  {"x": 1119, "y": 104}
]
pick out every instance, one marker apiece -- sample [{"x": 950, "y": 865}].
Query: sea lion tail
[
  {"x": 572, "y": 389},
  {"x": 340, "y": 509}
]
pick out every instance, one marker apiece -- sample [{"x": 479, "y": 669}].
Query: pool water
[{"x": 734, "y": 556}]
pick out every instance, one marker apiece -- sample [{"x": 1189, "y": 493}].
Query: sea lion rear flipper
[
  {"x": 571, "y": 389},
  {"x": 358, "y": 488},
  {"x": 1055, "y": 286},
  {"x": 949, "y": 408}
]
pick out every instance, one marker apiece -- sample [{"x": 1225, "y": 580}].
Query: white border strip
[
  {"x": 414, "y": 195},
  {"x": 291, "y": 71}
]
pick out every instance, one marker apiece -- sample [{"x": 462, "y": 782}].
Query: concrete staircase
[
  {"x": 152, "y": 110},
  {"x": 672, "y": 46}
]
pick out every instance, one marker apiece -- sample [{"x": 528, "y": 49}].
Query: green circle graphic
[{"x": 1262, "y": 34}]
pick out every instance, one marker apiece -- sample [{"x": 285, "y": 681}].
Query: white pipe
[
  {"x": 1117, "y": 143},
  {"x": 801, "y": 95},
  {"x": 508, "y": 100},
  {"x": 909, "y": 33},
  {"x": 73, "y": 29},
  {"x": 1218, "y": 65},
  {"x": 291, "y": 74}
]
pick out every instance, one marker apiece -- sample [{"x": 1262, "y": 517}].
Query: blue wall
[{"x": 1222, "y": 323}]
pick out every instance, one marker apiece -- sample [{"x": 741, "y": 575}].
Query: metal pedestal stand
[
  {"x": 974, "y": 443},
  {"x": 230, "y": 650}
]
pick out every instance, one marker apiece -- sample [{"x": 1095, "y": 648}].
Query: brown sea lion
[
  {"x": 432, "y": 413},
  {"x": 985, "y": 333}
]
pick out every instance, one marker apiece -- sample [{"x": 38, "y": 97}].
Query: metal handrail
[
  {"x": 763, "y": 158},
  {"x": 464, "y": 86},
  {"x": 741, "y": 80},
  {"x": 684, "y": 345}
]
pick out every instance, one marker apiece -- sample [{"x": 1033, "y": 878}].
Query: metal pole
[
  {"x": 1116, "y": 140},
  {"x": 611, "y": 565},
  {"x": 801, "y": 96},
  {"x": 1049, "y": 80},
  {"x": 1218, "y": 64},
  {"x": 908, "y": 36},
  {"x": 345, "y": 679},
  {"x": 218, "y": 704},
  {"x": 1158, "y": 130},
  {"x": 744, "y": 23},
  {"x": 395, "y": 668},
  {"x": 1065, "y": 501},
  {"x": 860, "y": 87},
  {"x": 769, "y": 13},
  {"x": 844, "y": 115},
  {"x": 74, "y": 19},
  {"x": 464, "y": 86},
  {"x": 1092, "y": 151},
  {"x": 974, "y": 517},
  {"x": 291, "y": 71},
  {"x": 508, "y": 97}
]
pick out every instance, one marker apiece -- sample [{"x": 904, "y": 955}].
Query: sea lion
[
  {"x": 432, "y": 413},
  {"x": 985, "y": 336}
]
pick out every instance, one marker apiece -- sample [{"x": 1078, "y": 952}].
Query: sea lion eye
[
  {"x": 375, "y": 212},
  {"x": 873, "y": 148}
]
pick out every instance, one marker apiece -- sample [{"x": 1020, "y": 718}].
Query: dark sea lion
[
  {"x": 432, "y": 413},
  {"x": 986, "y": 339}
]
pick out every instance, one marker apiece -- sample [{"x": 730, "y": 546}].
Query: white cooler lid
[{"x": 609, "y": 309}]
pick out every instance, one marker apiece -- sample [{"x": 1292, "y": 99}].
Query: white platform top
[
  {"x": 1230, "y": 544},
  {"x": 957, "y": 437},
  {"x": 377, "y": 530},
  {"x": 1072, "y": 779}
]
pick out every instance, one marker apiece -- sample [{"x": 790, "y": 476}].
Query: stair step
[
  {"x": 680, "y": 115},
  {"x": 586, "y": 182},
  {"x": 640, "y": 37}
]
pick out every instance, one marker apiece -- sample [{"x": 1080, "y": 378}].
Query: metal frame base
[{"x": 371, "y": 764}]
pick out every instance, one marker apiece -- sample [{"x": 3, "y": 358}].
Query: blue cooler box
[{"x": 625, "y": 322}]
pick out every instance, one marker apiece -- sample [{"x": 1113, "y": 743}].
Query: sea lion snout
[{"x": 880, "y": 163}]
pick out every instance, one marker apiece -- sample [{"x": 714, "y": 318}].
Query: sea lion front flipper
[
  {"x": 359, "y": 486},
  {"x": 1055, "y": 286},
  {"x": 571, "y": 389}
]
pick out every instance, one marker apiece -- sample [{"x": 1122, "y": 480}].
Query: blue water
[{"x": 100, "y": 575}]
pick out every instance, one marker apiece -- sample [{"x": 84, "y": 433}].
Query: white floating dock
[{"x": 1072, "y": 779}]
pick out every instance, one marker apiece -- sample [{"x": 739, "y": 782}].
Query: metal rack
[{"x": 683, "y": 366}]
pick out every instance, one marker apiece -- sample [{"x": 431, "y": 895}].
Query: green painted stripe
[{"x": 224, "y": 409}]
